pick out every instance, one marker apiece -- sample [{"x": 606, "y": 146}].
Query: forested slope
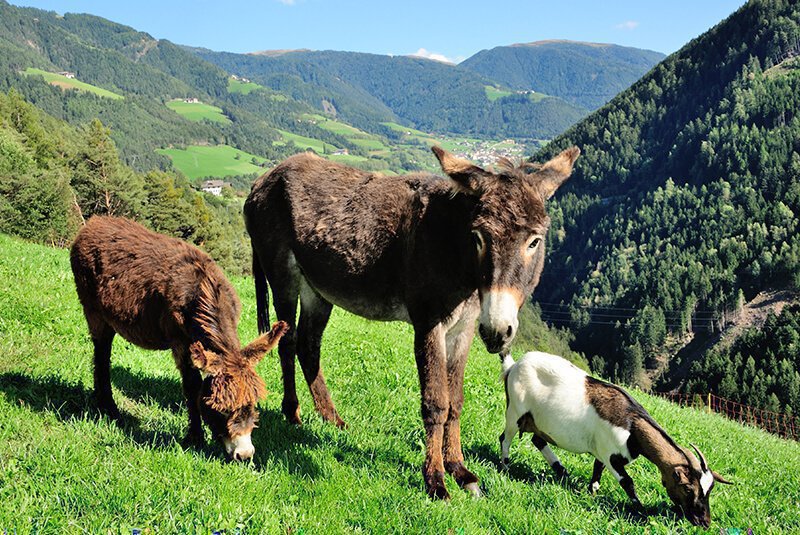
[
  {"x": 585, "y": 74},
  {"x": 686, "y": 194}
]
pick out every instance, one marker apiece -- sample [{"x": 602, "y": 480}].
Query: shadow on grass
[
  {"x": 618, "y": 509},
  {"x": 71, "y": 402},
  {"x": 520, "y": 471},
  {"x": 276, "y": 441}
]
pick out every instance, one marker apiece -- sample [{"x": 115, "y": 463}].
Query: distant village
[{"x": 489, "y": 152}]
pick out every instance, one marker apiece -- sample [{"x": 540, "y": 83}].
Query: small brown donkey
[
  {"x": 161, "y": 293},
  {"x": 438, "y": 253}
]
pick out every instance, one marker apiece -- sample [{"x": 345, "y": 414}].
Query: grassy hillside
[
  {"x": 198, "y": 161},
  {"x": 198, "y": 111},
  {"x": 64, "y": 470},
  {"x": 64, "y": 82}
]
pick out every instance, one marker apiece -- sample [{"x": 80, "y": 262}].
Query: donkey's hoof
[
  {"x": 292, "y": 416},
  {"x": 474, "y": 490},
  {"x": 435, "y": 485},
  {"x": 194, "y": 440}
]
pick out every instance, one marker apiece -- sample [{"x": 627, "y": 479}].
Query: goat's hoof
[
  {"x": 593, "y": 487},
  {"x": 504, "y": 464},
  {"x": 474, "y": 490}
]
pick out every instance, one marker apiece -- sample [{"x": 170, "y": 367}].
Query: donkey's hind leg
[
  {"x": 102, "y": 338},
  {"x": 314, "y": 314},
  {"x": 284, "y": 281}
]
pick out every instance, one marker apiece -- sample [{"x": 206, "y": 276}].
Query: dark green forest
[
  {"x": 760, "y": 368},
  {"x": 585, "y": 74},
  {"x": 684, "y": 202},
  {"x": 367, "y": 89}
]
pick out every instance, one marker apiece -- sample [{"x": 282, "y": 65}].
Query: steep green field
[
  {"x": 63, "y": 82},
  {"x": 493, "y": 93},
  {"x": 197, "y": 111},
  {"x": 197, "y": 161},
  {"x": 63, "y": 470},
  {"x": 245, "y": 88}
]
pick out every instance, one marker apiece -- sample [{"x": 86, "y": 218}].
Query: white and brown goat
[{"x": 560, "y": 404}]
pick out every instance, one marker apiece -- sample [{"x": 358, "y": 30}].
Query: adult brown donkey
[
  {"x": 434, "y": 252},
  {"x": 161, "y": 293}
]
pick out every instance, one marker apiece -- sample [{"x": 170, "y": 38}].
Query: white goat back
[{"x": 553, "y": 390}]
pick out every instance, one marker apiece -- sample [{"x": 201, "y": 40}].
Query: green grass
[
  {"x": 197, "y": 161},
  {"x": 63, "y": 470},
  {"x": 71, "y": 83},
  {"x": 245, "y": 88},
  {"x": 304, "y": 142},
  {"x": 198, "y": 111},
  {"x": 493, "y": 93}
]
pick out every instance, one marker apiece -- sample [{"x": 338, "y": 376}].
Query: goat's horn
[{"x": 703, "y": 463}]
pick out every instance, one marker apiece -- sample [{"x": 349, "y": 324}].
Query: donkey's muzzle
[{"x": 496, "y": 341}]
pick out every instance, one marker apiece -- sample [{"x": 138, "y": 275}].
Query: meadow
[
  {"x": 71, "y": 83},
  {"x": 65, "y": 470},
  {"x": 196, "y": 161},
  {"x": 197, "y": 111}
]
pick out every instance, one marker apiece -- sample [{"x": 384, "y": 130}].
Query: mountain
[
  {"x": 684, "y": 202},
  {"x": 147, "y": 77},
  {"x": 585, "y": 74},
  {"x": 369, "y": 89}
]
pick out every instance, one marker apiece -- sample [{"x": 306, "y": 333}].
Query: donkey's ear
[
  {"x": 207, "y": 361},
  {"x": 556, "y": 172},
  {"x": 466, "y": 175},
  {"x": 255, "y": 350}
]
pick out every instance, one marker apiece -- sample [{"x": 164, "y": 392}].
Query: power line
[{"x": 563, "y": 305}]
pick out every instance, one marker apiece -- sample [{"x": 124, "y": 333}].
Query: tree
[{"x": 102, "y": 184}]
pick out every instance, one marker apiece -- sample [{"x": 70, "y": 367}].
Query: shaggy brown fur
[
  {"x": 161, "y": 293},
  {"x": 399, "y": 248}
]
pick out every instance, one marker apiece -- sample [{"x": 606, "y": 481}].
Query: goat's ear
[
  {"x": 466, "y": 175},
  {"x": 680, "y": 474},
  {"x": 556, "y": 171},
  {"x": 719, "y": 479},
  {"x": 207, "y": 361},
  {"x": 255, "y": 350}
]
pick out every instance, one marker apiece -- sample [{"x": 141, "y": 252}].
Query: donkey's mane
[
  {"x": 508, "y": 168},
  {"x": 207, "y": 316}
]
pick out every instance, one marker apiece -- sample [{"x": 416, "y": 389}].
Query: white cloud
[
  {"x": 423, "y": 53},
  {"x": 627, "y": 25}
]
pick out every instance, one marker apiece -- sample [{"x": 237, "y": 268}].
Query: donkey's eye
[{"x": 534, "y": 243}]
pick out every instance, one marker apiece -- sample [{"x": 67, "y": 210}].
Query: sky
[{"x": 441, "y": 29}]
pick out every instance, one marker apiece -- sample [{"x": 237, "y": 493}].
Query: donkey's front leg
[
  {"x": 458, "y": 340},
  {"x": 429, "y": 350}
]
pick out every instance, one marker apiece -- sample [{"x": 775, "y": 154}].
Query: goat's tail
[
  {"x": 507, "y": 362},
  {"x": 262, "y": 294}
]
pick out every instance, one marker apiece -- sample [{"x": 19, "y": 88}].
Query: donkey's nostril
[{"x": 509, "y": 331}]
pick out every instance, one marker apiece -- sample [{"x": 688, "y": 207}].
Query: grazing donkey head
[
  {"x": 508, "y": 230},
  {"x": 231, "y": 387},
  {"x": 690, "y": 487}
]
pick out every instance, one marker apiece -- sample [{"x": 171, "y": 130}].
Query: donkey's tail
[{"x": 262, "y": 294}]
